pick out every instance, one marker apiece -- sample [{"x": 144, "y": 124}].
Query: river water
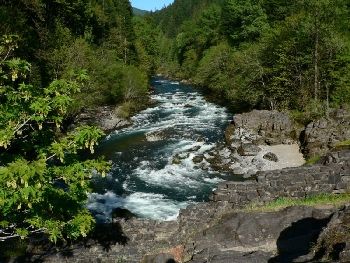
[{"x": 157, "y": 163}]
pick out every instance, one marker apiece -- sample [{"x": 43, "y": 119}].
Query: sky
[{"x": 150, "y": 4}]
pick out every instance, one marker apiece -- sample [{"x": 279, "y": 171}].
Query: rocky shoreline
[
  {"x": 222, "y": 230},
  {"x": 104, "y": 117}
]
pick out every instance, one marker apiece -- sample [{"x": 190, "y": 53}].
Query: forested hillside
[
  {"x": 58, "y": 37},
  {"x": 57, "y": 57},
  {"x": 139, "y": 12},
  {"x": 271, "y": 54}
]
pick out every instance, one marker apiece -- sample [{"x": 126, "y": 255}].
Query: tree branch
[{"x": 13, "y": 235}]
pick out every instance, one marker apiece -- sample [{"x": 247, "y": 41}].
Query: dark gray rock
[
  {"x": 118, "y": 213},
  {"x": 198, "y": 159},
  {"x": 217, "y": 256},
  {"x": 334, "y": 241},
  {"x": 264, "y": 127},
  {"x": 323, "y": 135},
  {"x": 271, "y": 157},
  {"x": 177, "y": 159},
  {"x": 104, "y": 117},
  {"x": 248, "y": 149},
  {"x": 161, "y": 258},
  {"x": 333, "y": 177},
  {"x": 257, "y": 237},
  {"x": 195, "y": 148}
]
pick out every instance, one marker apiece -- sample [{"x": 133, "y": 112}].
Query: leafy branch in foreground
[{"x": 44, "y": 181}]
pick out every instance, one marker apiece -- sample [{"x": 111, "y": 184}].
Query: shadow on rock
[
  {"x": 107, "y": 235},
  {"x": 296, "y": 241},
  {"x": 38, "y": 248},
  {"x": 160, "y": 258}
]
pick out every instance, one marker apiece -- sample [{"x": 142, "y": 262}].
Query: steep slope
[
  {"x": 139, "y": 12},
  {"x": 172, "y": 17}
]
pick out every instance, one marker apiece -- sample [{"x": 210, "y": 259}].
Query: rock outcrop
[
  {"x": 261, "y": 127},
  {"x": 334, "y": 241},
  {"x": 323, "y": 135},
  {"x": 105, "y": 118},
  {"x": 258, "y": 141},
  {"x": 281, "y": 236},
  {"x": 213, "y": 233}
]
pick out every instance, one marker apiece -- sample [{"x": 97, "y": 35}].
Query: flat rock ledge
[
  {"x": 221, "y": 232},
  {"x": 333, "y": 176}
]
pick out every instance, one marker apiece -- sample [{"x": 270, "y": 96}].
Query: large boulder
[
  {"x": 322, "y": 135},
  {"x": 271, "y": 157},
  {"x": 334, "y": 241},
  {"x": 248, "y": 149},
  {"x": 262, "y": 127},
  {"x": 105, "y": 117},
  {"x": 281, "y": 236}
]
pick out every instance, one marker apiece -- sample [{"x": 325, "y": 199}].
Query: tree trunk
[
  {"x": 316, "y": 57},
  {"x": 327, "y": 103},
  {"x": 125, "y": 50}
]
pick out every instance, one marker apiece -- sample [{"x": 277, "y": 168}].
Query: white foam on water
[
  {"x": 146, "y": 205},
  {"x": 172, "y": 176},
  {"x": 183, "y": 175},
  {"x": 180, "y": 118},
  {"x": 175, "y": 106}
]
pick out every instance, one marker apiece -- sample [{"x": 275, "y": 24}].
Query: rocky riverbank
[
  {"x": 104, "y": 117},
  {"x": 225, "y": 229},
  {"x": 323, "y": 135},
  {"x": 271, "y": 140},
  {"x": 257, "y": 141},
  {"x": 217, "y": 233},
  {"x": 112, "y": 117}
]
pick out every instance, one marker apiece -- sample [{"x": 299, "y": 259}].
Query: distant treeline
[{"x": 273, "y": 54}]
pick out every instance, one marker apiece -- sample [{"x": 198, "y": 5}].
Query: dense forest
[
  {"x": 58, "y": 57},
  {"x": 268, "y": 54}
]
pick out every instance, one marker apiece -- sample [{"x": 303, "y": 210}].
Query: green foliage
[
  {"x": 313, "y": 160},
  {"x": 43, "y": 180},
  {"x": 126, "y": 109},
  {"x": 171, "y": 18},
  {"x": 215, "y": 69},
  {"x": 280, "y": 54},
  {"x": 60, "y": 37},
  {"x": 134, "y": 84},
  {"x": 243, "y": 20},
  {"x": 75, "y": 54},
  {"x": 343, "y": 143},
  {"x": 146, "y": 44}
]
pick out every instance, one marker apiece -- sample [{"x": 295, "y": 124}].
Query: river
[{"x": 157, "y": 164}]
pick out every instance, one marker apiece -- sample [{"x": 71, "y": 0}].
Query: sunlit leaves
[
  {"x": 18, "y": 68},
  {"x": 43, "y": 180}
]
